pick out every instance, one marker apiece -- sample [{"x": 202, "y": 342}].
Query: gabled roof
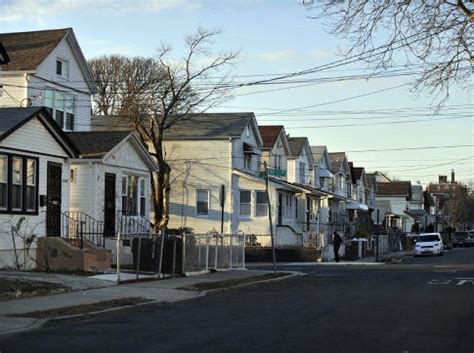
[
  {"x": 336, "y": 158},
  {"x": 318, "y": 153},
  {"x": 270, "y": 135},
  {"x": 96, "y": 144},
  {"x": 99, "y": 144},
  {"x": 12, "y": 119},
  {"x": 27, "y": 50},
  {"x": 394, "y": 188},
  {"x": 297, "y": 144},
  {"x": 205, "y": 126}
]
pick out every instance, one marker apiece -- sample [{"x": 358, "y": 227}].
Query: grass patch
[
  {"x": 83, "y": 309},
  {"x": 234, "y": 282},
  {"x": 13, "y": 288}
]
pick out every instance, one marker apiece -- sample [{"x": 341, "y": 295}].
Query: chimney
[
  {"x": 453, "y": 180},
  {"x": 443, "y": 179}
]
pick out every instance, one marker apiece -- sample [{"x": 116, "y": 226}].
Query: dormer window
[{"x": 62, "y": 68}]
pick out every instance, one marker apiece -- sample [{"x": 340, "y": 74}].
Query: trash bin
[
  {"x": 169, "y": 254},
  {"x": 146, "y": 254}
]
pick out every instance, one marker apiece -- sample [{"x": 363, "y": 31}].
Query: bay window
[{"x": 18, "y": 184}]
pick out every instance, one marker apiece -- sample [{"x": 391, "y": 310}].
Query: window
[
  {"x": 30, "y": 184},
  {"x": 72, "y": 176},
  {"x": 202, "y": 202},
  {"x": 262, "y": 204},
  {"x": 245, "y": 203},
  {"x": 247, "y": 131},
  {"x": 247, "y": 161},
  {"x": 3, "y": 182},
  {"x": 302, "y": 173},
  {"x": 296, "y": 207},
  {"x": 61, "y": 107},
  {"x": 133, "y": 200},
  {"x": 277, "y": 164},
  {"x": 62, "y": 68},
  {"x": 288, "y": 206},
  {"x": 59, "y": 67},
  {"x": 142, "y": 198},
  {"x": 18, "y": 184}
]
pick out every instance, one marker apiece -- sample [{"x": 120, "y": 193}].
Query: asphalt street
[{"x": 421, "y": 305}]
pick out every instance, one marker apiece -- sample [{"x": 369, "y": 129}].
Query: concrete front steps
[{"x": 59, "y": 254}]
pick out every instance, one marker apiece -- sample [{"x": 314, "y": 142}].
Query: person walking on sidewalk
[{"x": 336, "y": 244}]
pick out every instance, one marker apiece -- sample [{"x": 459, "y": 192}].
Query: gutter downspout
[{"x": 231, "y": 187}]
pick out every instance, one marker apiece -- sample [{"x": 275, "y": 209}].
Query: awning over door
[{"x": 357, "y": 206}]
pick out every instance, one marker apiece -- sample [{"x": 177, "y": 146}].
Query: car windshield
[{"x": 426, "y": 238}]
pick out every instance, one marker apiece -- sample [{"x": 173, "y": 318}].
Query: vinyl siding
[
  {"x": 88, "y": 190},
  {"x": 199, "y": 165},
  {"x": 14, "y": 90},
  {"x": 33, "y": 224},
  {"x": 34, "y": 131}
]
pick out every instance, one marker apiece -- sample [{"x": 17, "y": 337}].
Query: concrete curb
[{"x": 292, "y": 274}]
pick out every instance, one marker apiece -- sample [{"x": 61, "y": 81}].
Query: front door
[
  {"x": 53, "y": 204},
  {"x": 280, "y": 209},
  {"x": 109, "y": 205}
]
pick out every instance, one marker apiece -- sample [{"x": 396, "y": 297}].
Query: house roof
[
  {"x": 203, "y": 126},
  {"x": 296, "y": 145},
  {"x": 29, "y": 49},
  {"x": 371, "y": 179},
  {"x": 318, "y": 152},
  {"x": 336, "y": 158},
  {"x": 394, "y": 188},
  {"x": 270, "y": 135},
  {"x": 11, "y": 119},
  {"x": 357, "y": 172},
  {"x": 96, "y": 144}
]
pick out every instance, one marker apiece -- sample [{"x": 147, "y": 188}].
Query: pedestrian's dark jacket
[{"x": 336, "y": 239}]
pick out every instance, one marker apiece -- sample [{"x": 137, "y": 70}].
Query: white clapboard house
[{"x": 96, "y": 184}]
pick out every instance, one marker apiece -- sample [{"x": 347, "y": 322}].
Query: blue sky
[{"x": 274, "y": 37}]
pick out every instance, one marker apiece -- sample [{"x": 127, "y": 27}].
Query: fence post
[
  {"x": 118, "y": 258},
  {"x": 230, "y": 255},
  {"x": 183, "y": 254},
  {"x": 207, "y": 252},
  {"x": 138, "y": 255},
  {"x": 215, "y": 255},
  {"x": 173, "y": 266},
  {"x": 82, "y": 236},
  {"x": 160, "y": 263},
  {"x": 243, "y": 250}
]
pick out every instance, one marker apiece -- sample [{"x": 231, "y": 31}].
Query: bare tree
[
  {"x": 163, "y": 93},
  {"x": 437, "y": 35}
]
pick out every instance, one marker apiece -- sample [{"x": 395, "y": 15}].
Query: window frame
[
  {"x": 257, "y": 192},
  {"x": 202, "y": 215},
  {"x": 67, "y": 121},
  {"x": 64, "y": 68},
  {"x": 302, "y": 173},
  {"x": 246, "y": 203},
  {"x": 9, "y": 169}
]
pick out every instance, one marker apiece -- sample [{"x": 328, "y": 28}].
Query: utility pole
[{"x": 270, "y": 218}]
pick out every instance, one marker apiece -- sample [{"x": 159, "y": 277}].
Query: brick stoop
[{"x": 58, "y": 254}]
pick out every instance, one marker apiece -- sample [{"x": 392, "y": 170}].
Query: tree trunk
[{"x": 166, "y": 187}]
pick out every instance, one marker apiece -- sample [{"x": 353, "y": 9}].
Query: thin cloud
[
  {"x": 292, "y": 55},
  {"x": 21, "y": 10}
]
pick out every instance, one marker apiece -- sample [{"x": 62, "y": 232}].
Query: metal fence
[
  {"x": 281, "y": 240},
  {"x": 202, "y": 252},
  {"x": 141, "y": 255}
]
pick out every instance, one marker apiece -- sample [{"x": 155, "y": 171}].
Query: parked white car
[{"x": 429, "y": 244}]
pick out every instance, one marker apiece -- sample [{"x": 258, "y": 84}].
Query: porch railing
[{"x": 83, "y": 227}]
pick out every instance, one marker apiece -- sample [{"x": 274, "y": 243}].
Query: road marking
[{"x": 456, "y": 281}]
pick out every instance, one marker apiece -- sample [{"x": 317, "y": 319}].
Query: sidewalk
[{"x": 158, "y": 291}]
